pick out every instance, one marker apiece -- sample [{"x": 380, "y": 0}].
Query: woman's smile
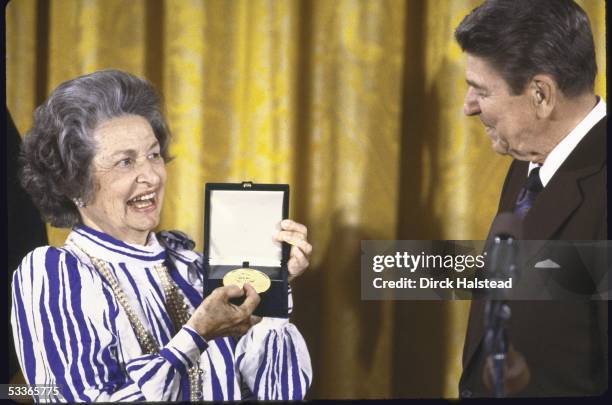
[{"x": 144, "y": 202}]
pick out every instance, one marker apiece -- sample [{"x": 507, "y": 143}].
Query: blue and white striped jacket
[{"x": 70, "y": 330}]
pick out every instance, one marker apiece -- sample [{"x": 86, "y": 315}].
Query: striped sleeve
[
  {"x": 273, "y": 360},
  {"x": 289, "y": 301},
  {"x": 65, "y": 333}
]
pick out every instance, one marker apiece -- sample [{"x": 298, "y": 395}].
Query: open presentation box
[{"x": 241, "y": 221}]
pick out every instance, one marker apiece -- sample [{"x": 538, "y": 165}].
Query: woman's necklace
[{"x": 175, "y": 306}]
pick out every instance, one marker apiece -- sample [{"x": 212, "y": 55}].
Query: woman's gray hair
[{"x": 57, "y": 152}]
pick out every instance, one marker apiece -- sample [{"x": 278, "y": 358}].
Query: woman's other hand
[
  {"x": 216, "y": 316},
  {"x": 295, "y": 234}
]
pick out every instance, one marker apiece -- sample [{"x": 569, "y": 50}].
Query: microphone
[
  {"x": 503, "y": 248},
  {"x": 505, "y": 370}
]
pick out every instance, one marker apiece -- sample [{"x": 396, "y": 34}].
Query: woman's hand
[
  {"x": 216, "y": 316},
  {"x": 295, "y": 234}
]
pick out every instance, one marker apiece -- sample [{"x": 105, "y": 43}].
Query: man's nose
[{"x": 470, "y": 103}]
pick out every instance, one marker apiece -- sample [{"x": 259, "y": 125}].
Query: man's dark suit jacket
[{"x": 565, "y": 343}]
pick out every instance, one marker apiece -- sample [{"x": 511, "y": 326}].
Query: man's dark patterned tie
[{"x": 528, "y": 193}]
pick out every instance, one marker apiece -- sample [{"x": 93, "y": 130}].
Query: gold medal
[{"x": 259, "y": 280}]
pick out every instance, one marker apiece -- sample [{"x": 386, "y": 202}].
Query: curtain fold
[{"x": 356, "y": 104}]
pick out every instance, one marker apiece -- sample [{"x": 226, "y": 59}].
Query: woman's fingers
[
  {"x": 252, "y": 299},
  {"x": 291, "y": 225},
  {"x": 295, "y": 239},
  {"x": 298, "y": 262}
]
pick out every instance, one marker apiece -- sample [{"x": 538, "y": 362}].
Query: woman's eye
[
  {"x": 124, "y": 162},
  {"x": 154, "y": 156}
]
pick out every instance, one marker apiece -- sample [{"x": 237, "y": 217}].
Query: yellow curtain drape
[{"x": 357, "y": 104}]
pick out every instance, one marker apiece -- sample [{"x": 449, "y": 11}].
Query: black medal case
[{"x": 240, "y": 224}]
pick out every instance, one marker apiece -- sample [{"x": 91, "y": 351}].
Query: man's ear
[{"x": 544, "y": 94}]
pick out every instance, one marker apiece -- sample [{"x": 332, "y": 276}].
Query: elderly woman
[{"x": 117, "y": 314}]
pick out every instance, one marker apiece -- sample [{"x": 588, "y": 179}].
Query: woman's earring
[{"x": 78, "y": 202}]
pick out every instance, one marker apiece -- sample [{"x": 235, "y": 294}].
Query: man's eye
[{"x": 154, "y": 156}]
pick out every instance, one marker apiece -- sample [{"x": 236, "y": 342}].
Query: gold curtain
[{"x": 356, "y": 104}]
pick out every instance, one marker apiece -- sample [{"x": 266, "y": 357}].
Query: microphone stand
[{"x": 497, "y": 311}]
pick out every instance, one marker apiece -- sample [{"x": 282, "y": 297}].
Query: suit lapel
[
  {"x": 563, "y": 194},
  {"x": 550, "y": 212}
]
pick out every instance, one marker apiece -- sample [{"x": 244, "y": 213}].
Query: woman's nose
[{"x": 147, "y": 173}]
